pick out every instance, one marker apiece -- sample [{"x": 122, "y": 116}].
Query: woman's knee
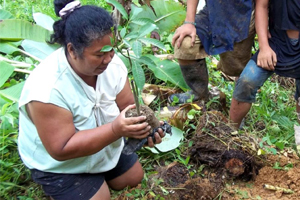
[
  {"x": 131, "y": 178},
  {"x": 103, "y": 193}
]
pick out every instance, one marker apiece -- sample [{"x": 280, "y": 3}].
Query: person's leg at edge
[
  {"x": 297, "y": 98},
  {"x": 103, "y": 193},
  {"x": 128, "y": 172},
  {"x": 297, "y": 95},
  {"x": 132, "y": 178},
  {"x": 251, "y": 79}
]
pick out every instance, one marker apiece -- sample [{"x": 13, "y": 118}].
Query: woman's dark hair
[{"x": 80, "y": 27}]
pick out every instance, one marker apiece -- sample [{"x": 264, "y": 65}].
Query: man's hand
[
  {"x": 181, "y": 32},
  {"x": 267, "y": 59}
]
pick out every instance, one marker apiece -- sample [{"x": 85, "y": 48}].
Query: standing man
[{"x": 222, "y": 27}]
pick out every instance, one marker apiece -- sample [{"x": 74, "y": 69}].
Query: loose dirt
[
  {"x": 224, "y": 165},
  {"x": 146, "y": 111}
]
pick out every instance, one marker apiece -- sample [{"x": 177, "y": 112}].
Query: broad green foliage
[
  {"x": 168, "y": 15},
  {"x": 9, "y": 47},
  {"x": 11, "y": 93},
  {"x": 6, "y": 72},
  {"x": 119, "y": 7},
  {"x": 24, "y": 9},
  {"x": 138, "y": 74},
  {"x": 165, "y": 70},
  {"x": 5, "y": 15},
  {"x": 15, "y": 30},
  {"x": 134, "y": 36},
  {"x": 43, "y": 20},
  {"x": 11, "y": 167},
  {"x": 39, "y": 49}
]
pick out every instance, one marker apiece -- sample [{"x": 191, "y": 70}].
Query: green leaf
[
  {"x": 16, "y": 29},
  {"x": 146, "y": 29},
  {"x": 127, "y": 43},
  {"x": 169, "y": 142},
  {"x": 9, "y": 118},
  {"x": 43, "y": 20},
  {"x": 280, "y": 145},
  {"x": 154, "y": 42},
  {"x": 39, "y": 49},
  {"x": 119, "y": 7},
  {"x": 134, "y": 12},
  {"x": 272, "y": 150},
  {"x": 6, "y": 71},
  {"x": 5, "y": 15},
  {"x": 167, "y": 70},
  {"x": 142, "y": 21},
  {"x": 13, "y": 93},
  {"x": 168, "y": 15},
  {"x": 124, "y": 59},
  {"x": 131, "y": 35},
  {"x": 123, "y": 32},
  {"x": 138, "y": 75},
  {"x": 106, "y": 48},
  {"x": 147, "y": 61},
  {"x": 137, "y": 48},
  {"x": 9, "y": 47}
]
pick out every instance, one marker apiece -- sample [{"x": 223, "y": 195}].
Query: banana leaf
[
  {"x": 39, "y": 49},
  {"x": 6, "y": 71},
  {"x": 16, "y": 29},
  {"x": 5, "y": 15},
  {"x": 13, "y": 93},
  {"x": 168, "y": 15},
  {"x": 9, "y": 47}
]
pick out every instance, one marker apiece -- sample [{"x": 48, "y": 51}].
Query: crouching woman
[{"x": 72, "y": 111}]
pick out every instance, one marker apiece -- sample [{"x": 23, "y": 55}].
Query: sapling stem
[{"x": 135, "y": 94}]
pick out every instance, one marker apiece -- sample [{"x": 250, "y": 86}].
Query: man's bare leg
[{"x": 238, "y": 110}]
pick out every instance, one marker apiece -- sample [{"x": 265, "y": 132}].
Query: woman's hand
[
  {"x": 133, "y": 127},
  {"x": 158, "y": 136},
  {"x": 181, "y": 32},
  {"x": 267, "y": 59}
]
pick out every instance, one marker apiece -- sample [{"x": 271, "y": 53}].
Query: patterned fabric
[{"x": 222, "y": 23}]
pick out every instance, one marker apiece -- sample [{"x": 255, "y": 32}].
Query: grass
[
  {"x": 23, "y": 9},
  {"x": 271, "y": 118}
]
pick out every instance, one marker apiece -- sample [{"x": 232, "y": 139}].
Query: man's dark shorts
[
  {"x": 231, "y": 63},
  {"x": 79, "y": 186}
]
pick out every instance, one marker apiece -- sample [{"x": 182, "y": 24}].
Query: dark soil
[
  {"x": 146, "y": 111},
  {"x": 224, "y": 165}
]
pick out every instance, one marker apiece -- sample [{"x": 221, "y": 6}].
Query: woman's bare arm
[{"x": 57, "y": 131}]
